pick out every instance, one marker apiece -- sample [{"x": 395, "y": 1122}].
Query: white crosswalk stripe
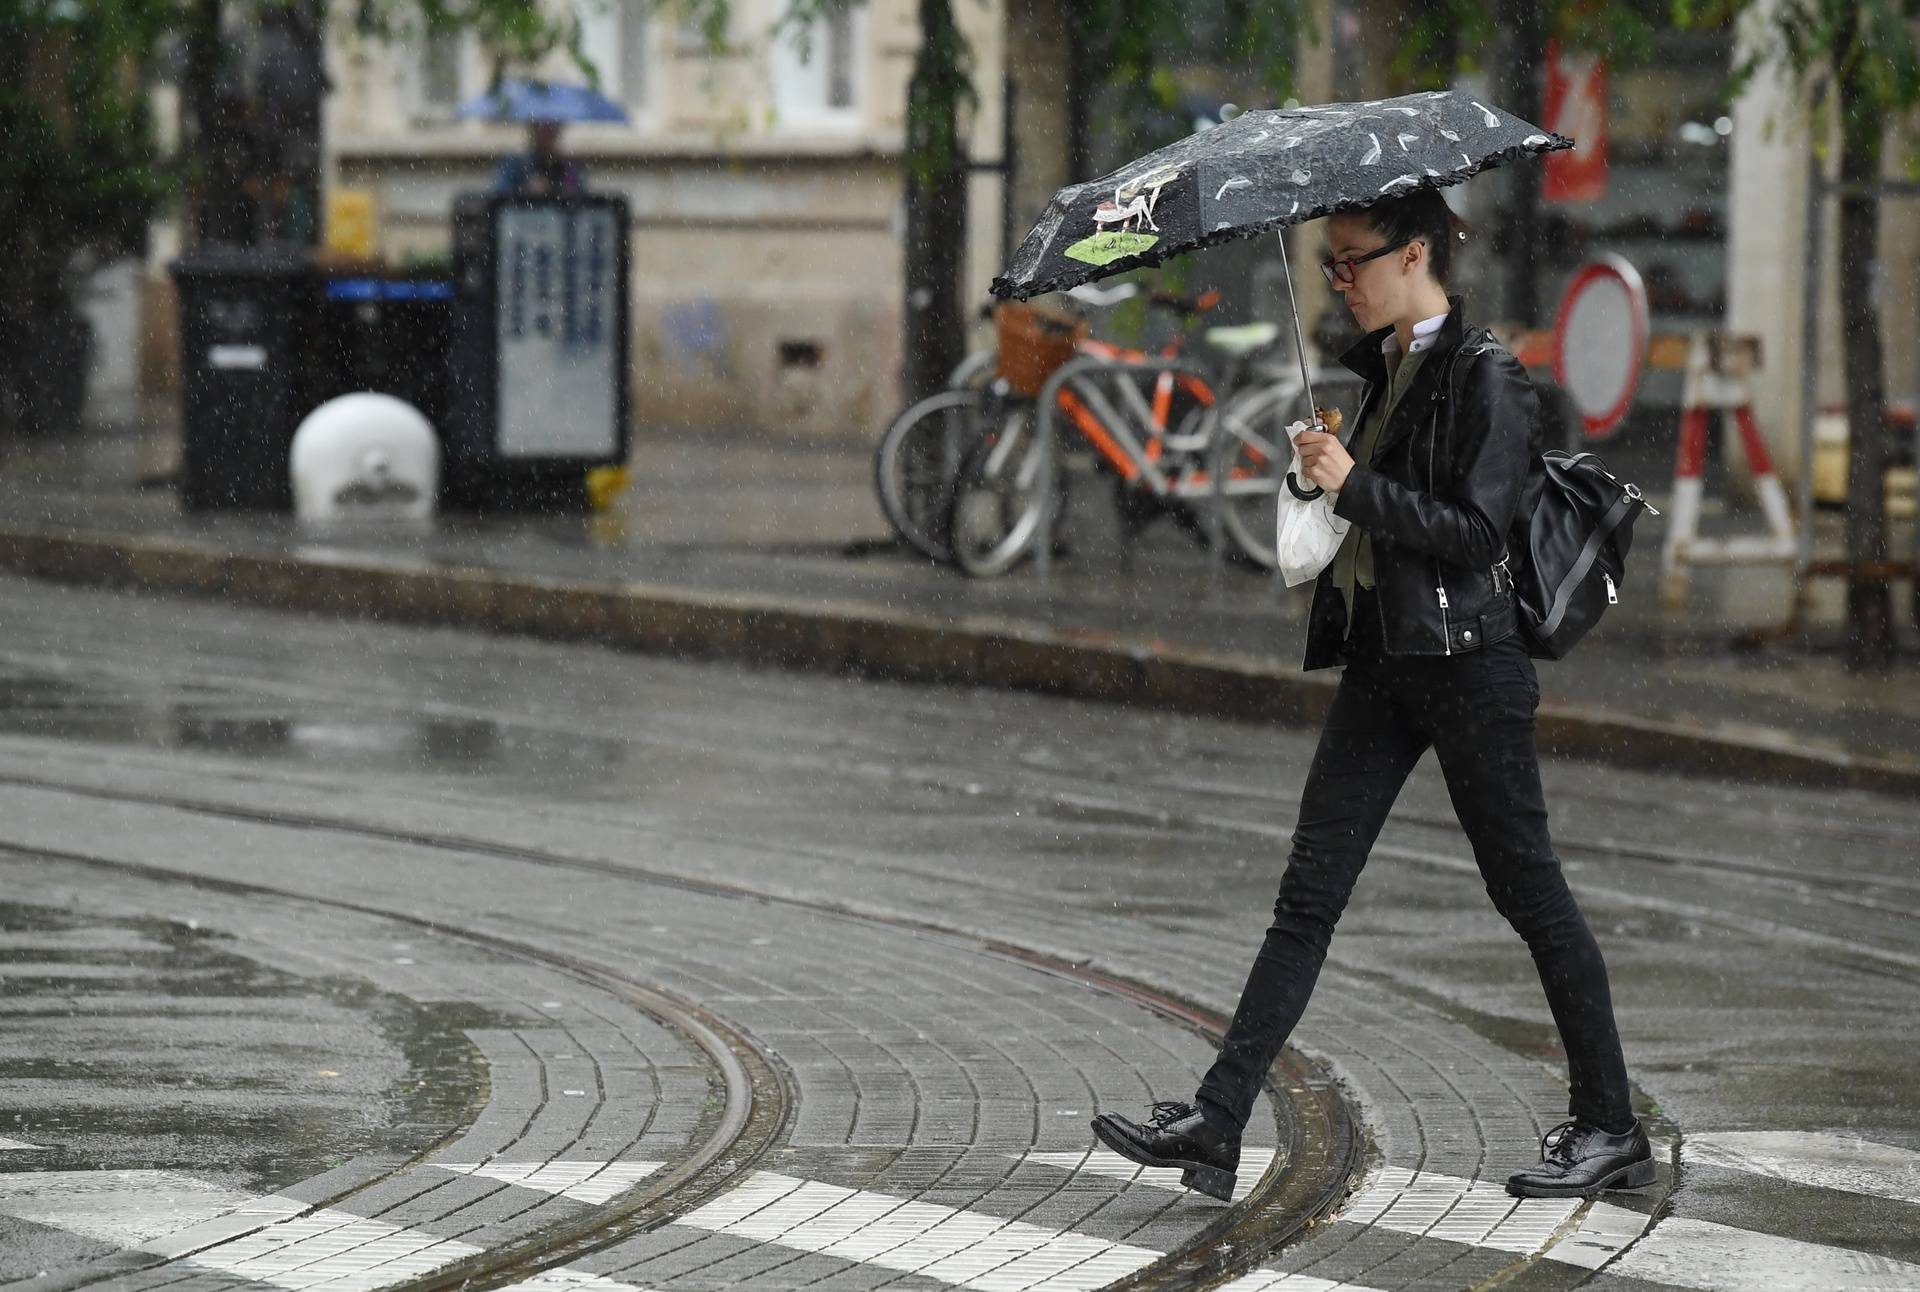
[
  {"x": 1701, "y": 1254},
  {"x": 334, "y": 1251},
  {"x": 1103, "y": 1162},
  {"x": 1430, "y": 1204},
  {"x": 564, "y": 1280},
  {"x": 1828, "y": 1161},
  {"x": 127, "y": 1208},
  {"x": 1423, "y": 1203},
  {"x": 594, "y": 1182},
  {"x": 964, "y": 1248},
  {"x": 1602, "y": 1234},
  {"x": 278, "y": 1241},
  {"x": 15, "y": 1146},
  {"x": 1267, "y": 1280}
]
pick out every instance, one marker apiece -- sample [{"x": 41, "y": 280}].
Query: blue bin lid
[{"x": 389, "y": 289}]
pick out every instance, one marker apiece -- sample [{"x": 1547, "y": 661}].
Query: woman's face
[{"x": 1379, "y": 288}]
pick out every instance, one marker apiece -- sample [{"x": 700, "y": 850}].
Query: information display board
[{"x": 556, "y": 319}]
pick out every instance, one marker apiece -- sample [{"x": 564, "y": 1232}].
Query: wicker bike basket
[{"x": 1032, "y": 344}]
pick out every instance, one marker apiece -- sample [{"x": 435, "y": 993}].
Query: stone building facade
[{"x": 765, "y": 190}]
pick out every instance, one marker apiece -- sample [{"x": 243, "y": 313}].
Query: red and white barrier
[{"x": 1717, "y": 381}]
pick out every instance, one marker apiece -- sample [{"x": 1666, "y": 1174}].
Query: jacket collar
[{"x": 1364, "y": 357}]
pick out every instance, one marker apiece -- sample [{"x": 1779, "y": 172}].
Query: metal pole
[{"x": 1809, "y": 360}]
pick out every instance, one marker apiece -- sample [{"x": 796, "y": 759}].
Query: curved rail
[{"x": 1319, "y": 1131}]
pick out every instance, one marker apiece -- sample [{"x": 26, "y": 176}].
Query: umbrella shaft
[{"x": 1299, "y": 341}]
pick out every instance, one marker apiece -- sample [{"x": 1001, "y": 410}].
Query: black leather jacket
[{"x": 1439, "y": 498}]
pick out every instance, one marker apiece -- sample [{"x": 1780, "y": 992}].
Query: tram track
[
  {"x": 732, "y": 1138},
  {"x": 1321, "y": 1151},
  {"x": 1120, "y": 795},
  {"x": 1824, "y": 906}
]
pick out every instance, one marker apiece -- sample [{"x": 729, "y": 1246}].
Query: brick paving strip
[
  {"x": 925, "y": 1075},
  {"x": 839, "y": 636},
  {"x": 862, "y": 1080}
]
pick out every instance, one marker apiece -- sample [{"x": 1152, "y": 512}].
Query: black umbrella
[{"x": 1263, "y": 170}]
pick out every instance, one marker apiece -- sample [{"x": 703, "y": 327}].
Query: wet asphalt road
[{"x": 1762, "y": 939}]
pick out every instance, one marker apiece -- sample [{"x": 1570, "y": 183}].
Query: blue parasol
[{"x": 519, "y": 100}]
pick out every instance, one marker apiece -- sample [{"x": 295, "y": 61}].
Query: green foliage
[
  {"x": 1139, "y": 48},
  {"x": 77, "y": 170},
  {"x": 513, "y": 35},
  {"x": 1854, "y": 60},
  {"x": 1449, "y": 37},
  {"x": 512, "y": 32},
  {"x": 942, "y": 84},
  {"x": 1810, "y": 40}
]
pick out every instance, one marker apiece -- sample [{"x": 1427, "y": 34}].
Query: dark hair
[{"x": 1421, "y": 214}]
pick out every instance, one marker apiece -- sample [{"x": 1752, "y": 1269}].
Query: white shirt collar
[{"x": 1424, "y": 333}]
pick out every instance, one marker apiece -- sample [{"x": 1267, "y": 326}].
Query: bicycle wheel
[
  {"x": 1250, "y": 434},
  {"x": 919, "y": 457},
  {"x": 999, "y": 499},
  {"x": 975, "y": 372}
]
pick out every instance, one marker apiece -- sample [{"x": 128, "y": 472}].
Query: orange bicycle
[{"x": 1150, "y": 422}]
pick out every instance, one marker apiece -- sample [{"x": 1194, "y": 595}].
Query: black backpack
[{"x": 1567, "y": 552}]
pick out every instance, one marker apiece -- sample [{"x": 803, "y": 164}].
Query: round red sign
[{"x": 1600, "y": 343}]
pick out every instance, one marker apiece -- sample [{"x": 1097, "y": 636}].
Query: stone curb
[{"x": 843, "y": 637}]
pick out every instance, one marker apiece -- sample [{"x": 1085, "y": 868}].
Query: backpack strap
[{"x": 1563, "y": 595}]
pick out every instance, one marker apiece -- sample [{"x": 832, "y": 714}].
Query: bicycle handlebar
[
  {"x": 1093, "y": 295},
  {"x": 1200, "y": 304}
]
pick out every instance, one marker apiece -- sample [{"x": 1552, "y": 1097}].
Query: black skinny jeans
[{"x": 1476, "y": 710}]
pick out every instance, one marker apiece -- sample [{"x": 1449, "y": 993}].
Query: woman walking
[{"x": 1418, "y": 608}]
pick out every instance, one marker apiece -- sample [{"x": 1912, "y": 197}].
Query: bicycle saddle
[{"x": 1239, "y": 342}]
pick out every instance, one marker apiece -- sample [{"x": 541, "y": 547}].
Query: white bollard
[{"x": 366, "y": 455}]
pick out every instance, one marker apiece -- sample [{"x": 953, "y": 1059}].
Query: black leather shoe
[
  {"x": 1176, "y": 1135},
  {"x": 1579, "y": 1160}
]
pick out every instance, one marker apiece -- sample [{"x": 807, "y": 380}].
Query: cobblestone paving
[{"x": 750, "y": 842}]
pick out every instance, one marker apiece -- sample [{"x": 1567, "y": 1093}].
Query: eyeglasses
[{"x": 1340, "y": 272}]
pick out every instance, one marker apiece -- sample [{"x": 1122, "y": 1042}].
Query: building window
[
  {"x": 614, "y": 37},
  {"x": 440, "y": 66},
  {"x": 635, "y": 56},
  {"x": 823, "y": 83}
]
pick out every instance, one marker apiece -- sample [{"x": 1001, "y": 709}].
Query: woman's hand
[{"x": 1324, "y": 458}]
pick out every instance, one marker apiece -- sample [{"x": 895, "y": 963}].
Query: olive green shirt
[{"x": 1353, "y": 563}]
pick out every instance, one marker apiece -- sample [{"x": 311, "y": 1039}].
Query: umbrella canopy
[
  {"x": 1263, "y": 170},
  {"x": 517, "y": 100}
]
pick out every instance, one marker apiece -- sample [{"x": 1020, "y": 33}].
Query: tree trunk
[
  {"x": 15, "y": 289},
  {"x": 936, "y": 204},
  {"x": 1870, "y": 641},
  {"x": 1517, "y": 226},
  {"x": 1080, "y": 90},
  {"x": 216, "y": 141}
]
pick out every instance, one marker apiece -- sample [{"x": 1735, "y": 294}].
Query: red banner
[{"x": 1576, "y": 106}]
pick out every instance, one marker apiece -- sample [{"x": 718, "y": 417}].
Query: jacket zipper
[
  {"x": 1613, "y": 596},
  {"x": 1446, "y": 635}
]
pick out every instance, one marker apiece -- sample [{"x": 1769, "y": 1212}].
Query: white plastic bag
[{"x": 1307, "y": 532}]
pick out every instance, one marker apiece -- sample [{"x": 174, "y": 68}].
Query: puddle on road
[
  {"x": 205, "y": 720},
  {"x": 140, "y": 1043}
]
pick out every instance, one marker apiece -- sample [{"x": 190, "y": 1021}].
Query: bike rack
[{"x": 1095, "y": 398}]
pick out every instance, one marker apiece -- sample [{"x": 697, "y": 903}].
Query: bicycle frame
[
  {"x": 1115, "y": 442},
  {"x": 1132, "y": 441}
]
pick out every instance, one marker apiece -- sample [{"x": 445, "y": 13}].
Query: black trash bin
[
  {"x": 387, "y": 332},
  {"x": 246, "y": 318},
  {"x": 538, "y": 390}
]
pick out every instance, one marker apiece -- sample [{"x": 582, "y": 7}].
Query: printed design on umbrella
[
  {"x": 1117, "y": 222},
  {"x": 1261, "y": 171}
]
